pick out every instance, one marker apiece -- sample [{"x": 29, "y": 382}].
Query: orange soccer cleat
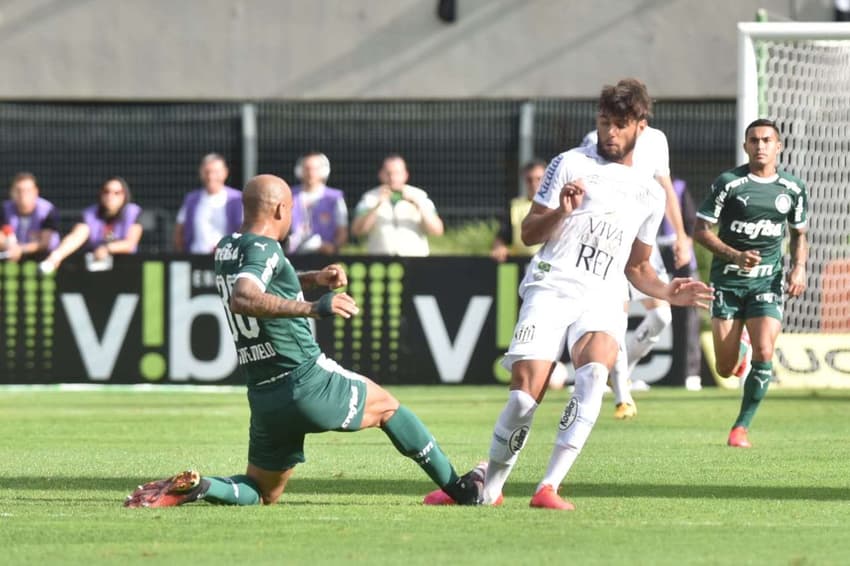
[
  {"x": 547, "y": 498},
  {"x": 184, "y": 487},
  {"x": 738, "y": 438}
]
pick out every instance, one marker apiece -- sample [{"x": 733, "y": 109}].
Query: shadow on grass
[{"x": 348, "y": 486}]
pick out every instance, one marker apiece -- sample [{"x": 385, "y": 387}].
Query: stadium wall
[{"x": 367, "y": 49}]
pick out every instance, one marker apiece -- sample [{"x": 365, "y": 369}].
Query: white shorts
[
  {"x": 549, "y": 321},
  {"x": 657, "y": 263}
]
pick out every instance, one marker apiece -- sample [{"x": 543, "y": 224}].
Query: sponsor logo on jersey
[
  {"x": 762, "y": 270},
  {"x": 744, "y": 200},
  {"x": 570, "y": 414},
  {"x": 227, "y": 253},
  {"x": 783, "y": 203},
  {"x": 517, "y": 439},
  {"x": 546, "y": 184},
  {"x": 755, "y": 229}
]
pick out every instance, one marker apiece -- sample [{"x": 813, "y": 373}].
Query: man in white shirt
[
  {"x": 597, "y": 219},
  {"x": 210, "y": 212},
  {"x": 651, "y": 158},
  {"x": 397, "y": 218}
]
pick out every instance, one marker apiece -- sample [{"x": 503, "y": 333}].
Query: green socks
[
  {"x": 235, "y": 490},
  {"x": 755, "y": 388},
  {"x": 410, "y": 437}
]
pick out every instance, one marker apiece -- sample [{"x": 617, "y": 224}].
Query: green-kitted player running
[
  {"x": 293, "y": 389},
  {"x": 752, "y": 205}
]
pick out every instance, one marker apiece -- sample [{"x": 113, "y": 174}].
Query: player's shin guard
[
  {"x": 235, "y": 490},
  {"x": 579, "y": 417},
  {"x": 755, "y": 388},
  {"x": 410, "y": 437},
  {"x": 620, "y": 379},
  {"x": 509, "y": 436},
  {"x": 647, "y": 333}
]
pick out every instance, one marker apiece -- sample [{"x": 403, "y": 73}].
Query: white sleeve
[
  {"x": 555, "y": 177},
  {"x": 661, "y": 155},
  {"x": 181, "y": 214},
  {"x": 590, "y": 138},
  {"x": 648, "y": 231},
  {"x": 341, "y": 213},
  {"x": 367, "y": 203}
]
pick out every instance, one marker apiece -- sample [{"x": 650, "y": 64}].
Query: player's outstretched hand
[
  {"x": 330, "y": 304},
  {"x": 572, "y": 194},
  {"x": 332, "y": 277},
  {"x": 797, "y": 281},
  {"x": 686, "y": 292}
]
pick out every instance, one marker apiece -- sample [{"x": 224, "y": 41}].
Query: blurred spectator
[
  {"x": 508, "y": 241},
  {"x": 107, "y": 228},
  {"x": 686, "y": 321},
  {"x": 396, "y": 217},
  {"x": 30, "y": 223},
  {"x": 208, "y": 213},
  {"x": 319, "y": 214}
]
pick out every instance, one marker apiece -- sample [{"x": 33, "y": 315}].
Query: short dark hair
[
  {"x": 765, "y": 122},
  {"x": 23, "y": 176},
  {"x": 627, "y": 100},
  {"x": 533, "y": 164}
]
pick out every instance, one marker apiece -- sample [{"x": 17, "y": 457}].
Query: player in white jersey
[
  {"x": 596, "y": 218},
  {"x": 651, "y": 158}
]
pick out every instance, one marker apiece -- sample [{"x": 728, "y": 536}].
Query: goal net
[{"x": 799, "y": 75}]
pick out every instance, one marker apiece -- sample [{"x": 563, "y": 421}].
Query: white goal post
[
  {"x": 798, "y": 74},
  {"x": 748, "y": 72}
]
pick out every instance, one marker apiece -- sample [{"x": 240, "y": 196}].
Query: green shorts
[
  {"x": 320, "y": 397},
  {"x": 764, "y": 299}
]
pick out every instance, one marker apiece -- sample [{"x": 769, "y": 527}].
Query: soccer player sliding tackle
[
  {"x": 293, "y": 389},
  {"x": 597, "y": 219}
]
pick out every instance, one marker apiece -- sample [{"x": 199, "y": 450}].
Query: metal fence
[{"x": 466, "y": 154}]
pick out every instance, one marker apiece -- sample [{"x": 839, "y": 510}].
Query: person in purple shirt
[
  {"x": 319, "y": 214},
  {"x": 30, "y": 223},
  {"x": 107, "y": 228},
  {"x": 209, "y": 213}
]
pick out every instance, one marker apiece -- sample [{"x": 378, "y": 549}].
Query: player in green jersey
[
  {"x": 752, "y": 204},
  {"x": 293, "y": 389}
]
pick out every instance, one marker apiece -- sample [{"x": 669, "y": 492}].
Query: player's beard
[{"x": 618, "y": 155}]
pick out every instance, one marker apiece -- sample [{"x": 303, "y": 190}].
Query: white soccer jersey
[
  {"x": 587, "y": 252},
  {"x": 651, "y": 154}
]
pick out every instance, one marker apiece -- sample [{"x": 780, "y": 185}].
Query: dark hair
[
  {"x": 23, "y": 176},
  {"x": 628, "y": 100},
  {"x": 128, "y": 197},
  {"x": 763, "y": 122}
]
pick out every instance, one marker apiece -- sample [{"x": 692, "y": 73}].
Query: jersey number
[{"x": 247, "y": 326}]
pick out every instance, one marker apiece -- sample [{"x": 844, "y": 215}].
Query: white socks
[
  {"x": 509, "y": 436},
  {"x": 579, "y": 417},
  {"x": 620, "y": 381},
  {"x": 646, "y": 334}
]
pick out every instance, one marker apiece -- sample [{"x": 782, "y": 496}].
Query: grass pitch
[{"x": 662, "y": 489}]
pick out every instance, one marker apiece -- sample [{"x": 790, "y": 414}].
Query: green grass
[{"x": 662, "y": 489}]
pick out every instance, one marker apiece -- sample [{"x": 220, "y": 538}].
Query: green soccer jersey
[
  {"x": 752, "y": 213},
  {"x": 266, "y": 348}
]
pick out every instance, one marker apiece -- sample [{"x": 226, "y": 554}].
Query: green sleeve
[
  {"x": 261, "y": 261},
  {"x": 712, "y": 206}
]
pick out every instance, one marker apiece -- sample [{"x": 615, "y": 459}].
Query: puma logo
[
  {"x": 744, "y": 199},
  {"x": 762, "y": 381},
  {"x": 261, "y": 246}
]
